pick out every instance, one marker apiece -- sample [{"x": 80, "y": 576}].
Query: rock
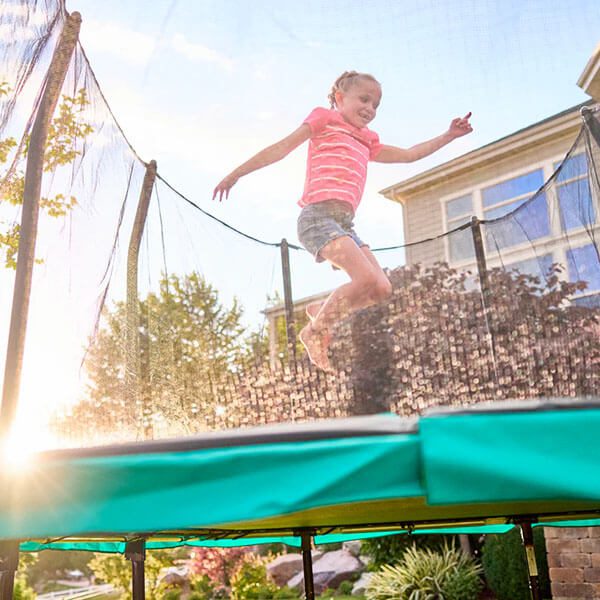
[
  {"x": 353, "y": 547},
  {"x": 285, "y": 566},
  {"x": 329, "y": 571},
  {"x": 360, "y": 587}
]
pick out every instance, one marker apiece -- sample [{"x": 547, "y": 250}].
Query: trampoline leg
[
  {"x": 9, "y": 562},
  {"x": 527, "y": 537},
  {"x": 309, "y": 585},
  {"x": 136, "y": 553}
]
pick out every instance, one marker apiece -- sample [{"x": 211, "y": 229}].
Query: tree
[
  {"x": 189, "y": 341},
  {"x": 65, "y": 134},
  {"x": 116, "y": 569}
]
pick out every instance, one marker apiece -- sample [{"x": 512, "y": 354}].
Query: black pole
[
  {"x": 287, "y": 295},
  {"x": 591, "y": 123},
  {"x": 9, "y": 563},
  {"x": 309, "y": 584},
  {"x": 527, "y": 538},
  {"x": 484, "y": 283},
  {"x": 29, "y": 220},
  {"x": 136, "y": 553}
]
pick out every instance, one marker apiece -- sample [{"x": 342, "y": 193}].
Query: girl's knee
[
  {"x": 382, "y": 290},
  {"x": 377, "y": 287}
]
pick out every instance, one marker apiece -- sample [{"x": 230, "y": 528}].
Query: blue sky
[{"x": 201, "y": 85}]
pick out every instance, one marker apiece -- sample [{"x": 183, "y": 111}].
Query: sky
[{"x": 201, "y": 85}]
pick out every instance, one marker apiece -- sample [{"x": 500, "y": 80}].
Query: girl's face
[{"x": 358, "y": 104}]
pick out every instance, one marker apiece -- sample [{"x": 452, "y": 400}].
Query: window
[
  {"x": 583, "y": 265},
  {"x": 536, "y": 267},
  {"x": 528, "y": 223},
  {"x": 458, "y": 212},
  {"x": 573, "y": 191}
]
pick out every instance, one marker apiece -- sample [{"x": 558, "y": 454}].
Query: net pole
[
  {"x": 484, "y": 283},
  {"x": 29, "y": 219},
  {"x": 287, "y": 295},
  {"x": 591, "y": 123},
  {"x": 136, "y": 388},
  {"x": 9, "y": 562}
]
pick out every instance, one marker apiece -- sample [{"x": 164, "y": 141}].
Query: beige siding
[{"x": 423, "y": 214}]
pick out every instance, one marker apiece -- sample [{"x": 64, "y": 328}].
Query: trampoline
[{"x": 481, "y": 469}]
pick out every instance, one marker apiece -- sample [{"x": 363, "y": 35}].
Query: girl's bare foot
[{"x": 315, "y": 343}]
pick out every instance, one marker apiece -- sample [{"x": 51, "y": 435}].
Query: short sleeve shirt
[{"x": 338, "y": 154}]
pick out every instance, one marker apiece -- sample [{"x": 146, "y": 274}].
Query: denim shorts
[{"x": 323, "y": 222}]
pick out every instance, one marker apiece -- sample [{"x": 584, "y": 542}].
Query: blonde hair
[{"x": 345, "y": 81}]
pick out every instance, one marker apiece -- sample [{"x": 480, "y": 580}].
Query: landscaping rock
[
  {"x": 285, "y": 566},
  {"x": 360, "y": 587},
  {"x": 329, "y": 571},
  {"x": 353, "y": 547}
]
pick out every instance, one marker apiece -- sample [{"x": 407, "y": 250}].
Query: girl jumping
[{"x": 340, "y": 147}]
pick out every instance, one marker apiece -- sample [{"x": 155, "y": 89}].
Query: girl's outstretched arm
[
  {"x": 392, "y": 154},
  {"x": 265, "y": 157}
]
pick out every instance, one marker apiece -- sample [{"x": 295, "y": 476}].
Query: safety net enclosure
[{"x": 155, "y": 313}]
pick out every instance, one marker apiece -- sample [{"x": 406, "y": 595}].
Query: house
[{"x": 491, "y": 182}]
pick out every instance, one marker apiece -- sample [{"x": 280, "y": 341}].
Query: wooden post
[
  {"x": 9, "y": 562},
  {"x": 136, "y": 389},
  {"x": 29, "y": 220}
]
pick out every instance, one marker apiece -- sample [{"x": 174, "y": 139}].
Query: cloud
[
  {"x": 110, "y": 37},
  {"x": 199, "y": 53},
  {"x": 137, "y": 48}
]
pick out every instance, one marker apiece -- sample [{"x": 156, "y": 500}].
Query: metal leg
[
  {"x": 527, "y": 537},
  {"x": 309, "y": 585},
  {"x": 136, "y": 553},
  {"x": 9, "y": 562}
]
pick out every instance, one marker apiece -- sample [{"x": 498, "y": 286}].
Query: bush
[
  {"x": 286, "y": 593},
  {"x": 251, "y": 582},
  {"x": 389, "y": 549},
  {"x": 345, "y": 588},
  {"x": 427, "y": 575},
  {"x": 505, "y": 567}
]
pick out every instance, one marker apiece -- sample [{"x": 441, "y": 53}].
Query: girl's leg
[
  {"x": 312, "y": 310},
  {"x": 368, "y": 285}
]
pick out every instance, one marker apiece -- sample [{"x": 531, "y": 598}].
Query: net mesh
[{"x": 502, "y": 308}]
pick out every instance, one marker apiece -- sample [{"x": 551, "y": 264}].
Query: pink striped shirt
[{"x": 338, "y": 154}]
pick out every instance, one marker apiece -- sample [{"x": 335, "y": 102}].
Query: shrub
[
  {"x": 345, "y": 588},
  {"x": 428, "y": 575},
  {"x": 286, "y": 593},
  {"x": 389, "y": 549},
  {"x": 218, "y": 564},
  {"x": 251, "y": 582},
  {"x": 505, "y": 567}
]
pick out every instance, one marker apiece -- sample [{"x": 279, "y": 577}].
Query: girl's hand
[
  {"x": 224, "y": 186},
  {"x": 460, "y": 127}
]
